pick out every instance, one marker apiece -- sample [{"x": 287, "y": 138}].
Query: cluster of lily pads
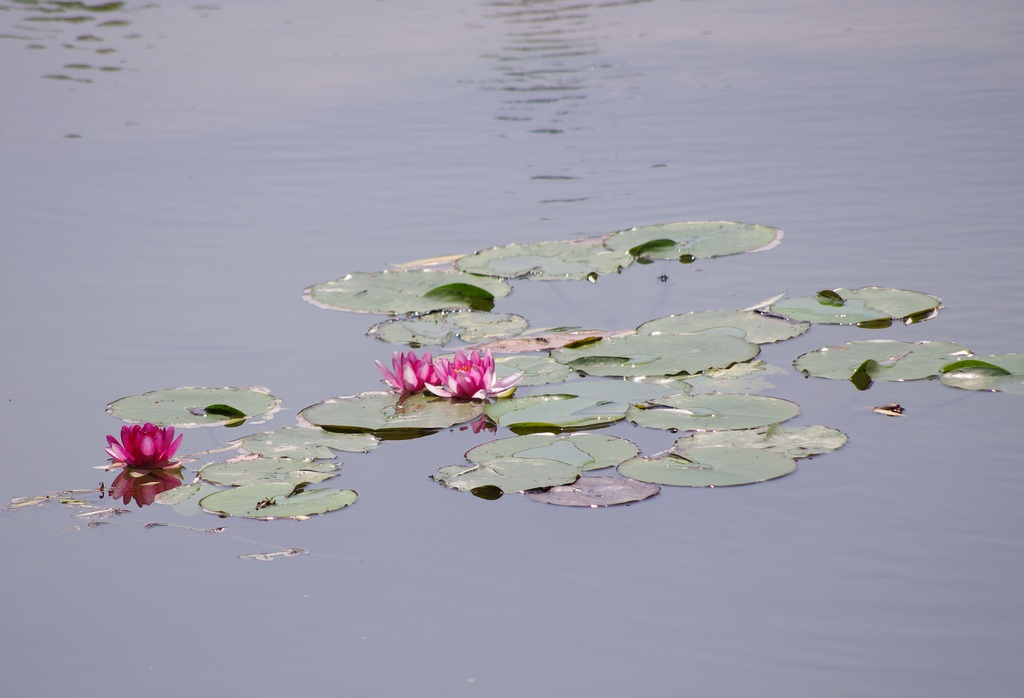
[{"x": 683, "y": 373}]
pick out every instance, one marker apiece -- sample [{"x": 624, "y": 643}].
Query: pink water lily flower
[
  {"x": 470, "y": 377},
  {"x": 411, "y": 374},
  {"x": 146, "y": 446}
]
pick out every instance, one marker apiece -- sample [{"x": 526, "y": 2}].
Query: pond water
[{"x": 175, "y": 174}]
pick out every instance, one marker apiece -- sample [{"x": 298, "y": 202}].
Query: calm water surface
[{"x": 172, "y": 175}]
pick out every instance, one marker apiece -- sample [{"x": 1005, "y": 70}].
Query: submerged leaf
[{"x": 596, "y": 491}]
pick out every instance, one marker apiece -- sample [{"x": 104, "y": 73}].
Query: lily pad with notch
[
  {"x": 746, "y": 324},
  {"x": 554, "y": 412},
  {"x": 259, "y": 470},
  {"x": 869, "y": 306},
  {"x": 997, "y": 372},
  {"x": 709, "y": 467},
  {"x": 189, "y": 407},
  {"x": 310, "y": 443},
  {"x": 415, "y": 291},
  {"x": 880, "y": 360},
  {"x": 712, "y": 412},
  {"x": 276, "y": 500},
  {"x": 386, "y": 416},
  {"x": 586, "y": 451},
  {"x": 548, "y": 261},
  {"x": 439, "y": 327},
  {"x": 692, "y": 240},
  {"x": 657, "y": 355},
  {"x": 512, "y": 475},
  {"x": 792, "y": 442}
]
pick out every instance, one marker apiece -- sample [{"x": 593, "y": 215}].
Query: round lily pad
[
  {"x": 305, "y": 442},
  {"x": 512, "y": 475},
  {"x": 1002, "y": 372},
  {"x": 536, "y": 370},
  {"x": 746, "y": 324},
  {"x": 596, "y": 491},
  {"x": 563, "y": 259},
  {"x": 276, "y": 501},
  {"x": 554, "y": 412},
  {"x": 583, "y": 450},
  {"x": 656, "y": 355},
  {"x": 868, "y": 306},
  {"x": 712, "y": 411},
  {"x": 694, "y": 240},
  {"x": 398, "y": 292},
  {"x": 188, "y": 407},
  {"x": 709, "y": 467},
  {"x": 438, "y": 328},
  {"x": 383, "y": 414},
  {"x": 890, "y": 360},
  {"x": 248, "y": 472},
  {"x": 792, "y": 442}
]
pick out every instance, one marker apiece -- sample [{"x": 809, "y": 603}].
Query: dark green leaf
[
  {"x": 225, "y": 411},
  {"x": 832, "y": 298}
]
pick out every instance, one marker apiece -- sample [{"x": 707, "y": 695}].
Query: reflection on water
[
  {"x": 143, "y": 484},
  {"x": 87, "y": 34}
]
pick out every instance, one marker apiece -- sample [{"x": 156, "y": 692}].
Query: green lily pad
[
  {"x": 746, "y": 377},
  {"x": 554, "y": 412},
  {"x": 709, "y": 467},
  {"x": 248, "y": 472},
  {"x": 596, "y": 491},
  {"x": 513, "y": 475},
  {"x": 438, "y": 328},
  {"x": 186, "y": 407},
  {"x": 890, "y": 360},
  {"x": 694, "y": 240},
  {"x": 792, "y": 442},
  {"x": 416, "y": 291},
  {"x": 537, "y": 370},
  {"x": 712, "y": 411},
  {"x": 546, "y": 339},
  {"x": 584, "y": 450},
  {"x": 185, "y": 499},
  {"x": 276, "y": 500},
  {"x": 657, "y": 355},
  {"x": 745, "y": 324},
  {"x": 563, "y": 259},
  {"x": 870, "y": 306},
  {"x": 306, "y": 443},
  {"x": 1005, "y": 374},
  {"x": 382, "y": 414}
]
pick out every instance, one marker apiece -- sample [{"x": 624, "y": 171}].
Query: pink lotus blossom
[
  {"x": 411, "y": 374},
  {"x": 146, "y": 446},
  {"x": 470, "y": 377}
]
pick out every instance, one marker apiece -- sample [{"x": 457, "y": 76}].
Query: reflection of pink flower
[
  {"x": 144, "y": 484},
  {"x": 470, "y": 376},
  {"x": 146, "y": 446},
  {"x": 411, "y": 374}
]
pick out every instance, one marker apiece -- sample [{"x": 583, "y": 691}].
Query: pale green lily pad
[
  {"x": 554, "y": 412},
  {"x": 537, "y": 370},
  {"x": 379, "y": 412},
  {"x": 596, "y": 491},
  {"x": 792, "y": 442},
  {"x": 584, "y": 450},
  {"x": 1005, "y": 373},
  {"x": 661, "y": 355},
  {"x": 622, "y": 391},
  {"x": 254, "y": 470},
  {"x": 401, "y": 292},
  {"x": 892, "y": 360},
  {"x": 712, "y": 411},
  {"x": 546, "y": 339},
  {"x": 746, "y": 377},
  {"x": 694, "y": 240},
  {"x": 709, "y": 467},
  {"x": 870, "y": 305},
  {"x": 185, "y": 407},
  {"x": 276, "y": 500},
  {"x": 185, "y": 498},
  {"x": 438, "y": 328},
  {"x": 513, "y": 475},
  {"x": 306, "y": 443},
  {"x": 745, "y": 324},
  {"x": 563, "y": 259}
]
